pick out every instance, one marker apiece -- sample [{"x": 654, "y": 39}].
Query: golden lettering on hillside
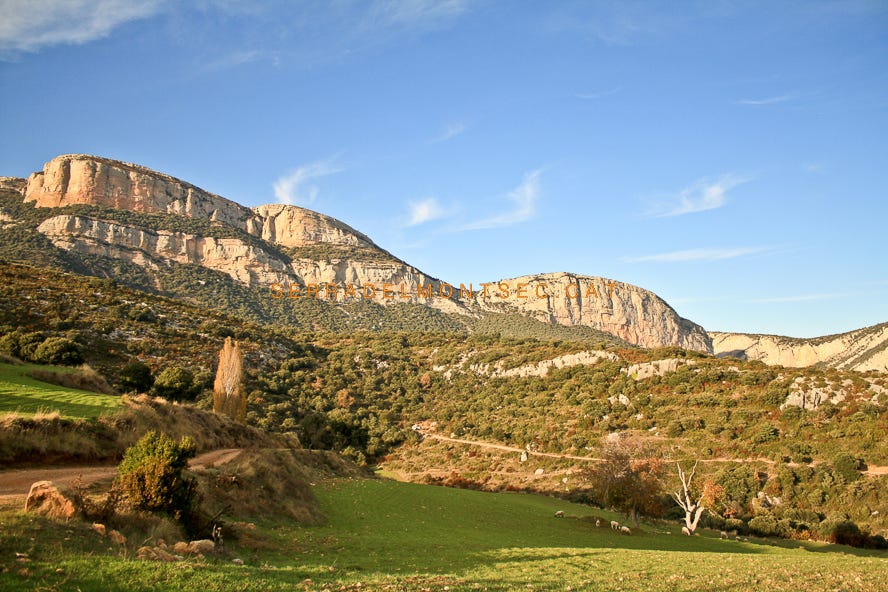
[{"x": 401, "y": 291}]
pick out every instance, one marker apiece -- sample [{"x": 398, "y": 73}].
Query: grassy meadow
[
  {"x": 23, "y": 394},
  {"x": 387, "y": 535}
]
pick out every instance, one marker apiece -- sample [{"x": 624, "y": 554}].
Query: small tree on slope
[{"x": 228, "y": 396}]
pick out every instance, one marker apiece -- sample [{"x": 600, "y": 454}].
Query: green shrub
[
  {"x": 765, "y": 525},
  {"x": 175, "y": 383},
  {"x": 136, "y": 377},
  {"x": 848, "y": 466},
  {"x": 58, "y": 350},
  {"x": 767, "y": 433},
  {"x": 735, "y": 524},
  {"x": 151, "y": 475}
]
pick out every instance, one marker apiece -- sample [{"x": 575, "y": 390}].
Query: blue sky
[{"x": 730, "y": 156}]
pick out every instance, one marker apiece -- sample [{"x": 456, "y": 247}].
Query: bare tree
[
  {"x": 693, "y": 509},
  {"x": 228, "y": 396}
]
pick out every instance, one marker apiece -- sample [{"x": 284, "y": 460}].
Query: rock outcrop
[
  {"x": 634, "y": 314},
  {"x": 82, "y": 179},
  {"x": 862, "y": 349}
]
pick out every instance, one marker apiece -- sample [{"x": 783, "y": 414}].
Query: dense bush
[
  {"x": 848, "y": 466},
  {"x": 136, "y": 377},
  {"x": 175, "y": 383},
  {"x": 58, "y": 350},
  {"x": 764, "y": 525},
  {"x": 151, "y": 475}
]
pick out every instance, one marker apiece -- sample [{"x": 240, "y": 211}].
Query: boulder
[
  {"x": 202, "y": 547},
  {"x": 46, "y": 499}
]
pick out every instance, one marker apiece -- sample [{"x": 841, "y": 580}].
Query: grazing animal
[
  {"x": 724, "y": 535},
  {"x": 597, "y": 522},
  {"x": 625, "y": 530},
  {"x": 685, "y": 531},
  {"x": 615, "y": 525},
  {"x": 559, "y": 514}
]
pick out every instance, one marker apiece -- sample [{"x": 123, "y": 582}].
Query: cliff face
[
  {"x": 345, "y": 257},
  {"x": 634, "y": 314},
  {"x": 862, "y": 350},
  {"x": 82, "y": 179}
]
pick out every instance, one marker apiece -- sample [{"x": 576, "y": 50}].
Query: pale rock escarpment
[
  {"x": 16, "y": 184},
  {"x": 245, "y": 263},
  {"x": 634, "y": 314},
  {"x": 292, "y": 226},
  {"x": 809, "y": 396},
  {"x": 862, "y": 350},
  {"x": 647, "y": 370},
  {"x": 82, "y": 179},
  {"x": 541, "y": 369}
]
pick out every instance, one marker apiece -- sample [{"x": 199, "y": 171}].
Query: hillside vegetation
[{"x": 811, "y": 431}]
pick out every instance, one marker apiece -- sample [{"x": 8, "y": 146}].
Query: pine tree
[{"x": 228, "y": 396}]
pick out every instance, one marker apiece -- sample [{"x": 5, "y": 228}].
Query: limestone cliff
[
  {"x": 863, "y": 349},
  {"x": 634, "y": 314},
  {"x": 82, "y": 179}
]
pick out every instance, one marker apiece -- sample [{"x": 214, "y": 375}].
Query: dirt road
[
  {"x": 871, "y": 470},
  {"x": 18, "y": 483}
]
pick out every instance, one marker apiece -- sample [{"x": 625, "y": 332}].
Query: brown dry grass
[
  {"x": 84, "y": 378},
  {"x": 50, "y": 439}
]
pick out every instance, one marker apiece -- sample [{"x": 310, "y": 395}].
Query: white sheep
[
  {"x": 685, "y": 531},
  {"x": 615, "y": 525},
  {"x": 625, "y": 530},
  {"x": 723, "y": 535},
  {"x": 559, "y": 514},
  {"x": 597, "y": 522}
]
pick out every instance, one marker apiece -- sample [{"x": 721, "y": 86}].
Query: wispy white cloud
[
  {"x": 451, "y": 131},
  {"x": 523, "y": 199},
  {"x": 295, "y": 187},
  {"x": 765, "y": 101},
  {"x": 701, "y": 196},
  {"x": 801, "y": 298},
  {"x": 599, "y": 94},
  {"x": 696, "y": 255},
  {"x": 415, "y": 12},
  {"x": 240, "y": 58},
  {"x": 424, "y": 211},
  {"x": 29, "y": 25}
]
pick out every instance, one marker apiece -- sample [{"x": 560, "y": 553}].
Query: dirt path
[
  {"x": 871, "y": 470},
  {"x": 18, "y": 483},
  {"x": 508, "y": 448}
]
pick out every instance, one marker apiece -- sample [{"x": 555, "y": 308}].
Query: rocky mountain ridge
[{"x": 280, "y": 246}]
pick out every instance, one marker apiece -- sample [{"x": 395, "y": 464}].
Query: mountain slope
[{"x": 862, "y": 349}]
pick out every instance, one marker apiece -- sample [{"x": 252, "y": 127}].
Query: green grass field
[
  {"x": 25, "y": 395},
  {"x": 385, "y": 535}
]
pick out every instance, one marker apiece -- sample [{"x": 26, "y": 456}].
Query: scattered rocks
[
  {"x": 116, "y": 537},
  {"x": 201, "y": 547},
  {"x": 46, "y": 499},
  {"x": 157, "y": 554}
]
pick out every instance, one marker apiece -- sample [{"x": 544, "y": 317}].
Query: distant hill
[{"x": 863, "y": 349}]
